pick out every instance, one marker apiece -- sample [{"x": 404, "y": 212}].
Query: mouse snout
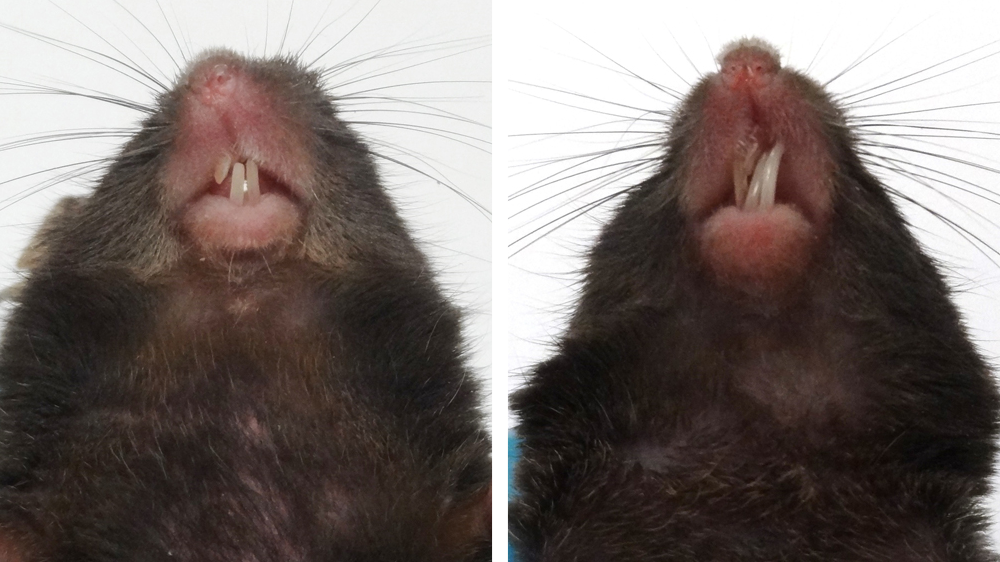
[
  {"x": 239, "y": 170},
  {"x": 748, "y": 63},
  {"x": 215, "y": 82},
  {"x": 757, "y": 181},
  {"x": 223, "y": 103}
]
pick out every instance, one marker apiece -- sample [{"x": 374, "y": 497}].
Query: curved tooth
[
  {"x": 764, "y": 182},
  {"x": 222, "y": 168},
  {"x": 756, "y": 185},
  {"x": 769, "y": 183},
  {"x": 741, "y": 173},
  {"x": 239, "y": 184},
  {"x": 253, "y": 183},
  {"x": 740, "y": 183}
]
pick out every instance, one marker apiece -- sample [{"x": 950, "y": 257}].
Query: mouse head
[
  {"x": 244, "y": 161},
  {"x": 761, "y": 194}
]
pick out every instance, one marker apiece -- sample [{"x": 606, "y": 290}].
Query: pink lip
[
  {"x": 268, "y": 184},
  {"x": 216, "y": 222},
  {"x": 763, "y": 112}
]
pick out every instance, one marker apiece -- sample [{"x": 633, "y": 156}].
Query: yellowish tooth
[
  {"x": 764, "y": 182},
  {"x": 741, "y": 173},
  {"x": 769, "y": 182},
  {"x": 222, "y": 168},
  {"x": 740, "y": 183},
  {"x": 238, "y": 187},
  {"x": 253, "y": 183},
  {"x": 753, "y": 201}
]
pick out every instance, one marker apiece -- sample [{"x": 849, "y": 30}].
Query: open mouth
[
  {"x": 244, "y": 183},
  {"x": 242, "y": 207},
  {"x": 760, "y": 232},
  {"x": 758, "y": 178},
  {"x": 759, "y": 181},
  {"x": 755, "y": 177},
  {"x": 239, "y": 174}
]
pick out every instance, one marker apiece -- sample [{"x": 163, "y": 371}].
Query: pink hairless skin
[
  {"x": 759, "y": 178},
  {"x": 238, "y": 172}
]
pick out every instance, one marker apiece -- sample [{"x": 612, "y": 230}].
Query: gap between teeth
[
  {"x": 246, "y": 180},
  {"x": 759, "y": 193}
]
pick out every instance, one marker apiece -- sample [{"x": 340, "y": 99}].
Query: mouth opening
[
  {"x": 760, "y": 234},
  {"x": 245, "y": 183},
  {"x": 243, "y": 207},
  {"x": 761, "y": 177},
  {"x": 755, "y": 177}
]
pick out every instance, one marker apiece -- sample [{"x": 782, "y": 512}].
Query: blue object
[{"x": 513, "y": 453}]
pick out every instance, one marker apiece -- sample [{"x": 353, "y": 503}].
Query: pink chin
[
  {"x": 758, "y": 251},
  {"x": 215, "y": 223}
]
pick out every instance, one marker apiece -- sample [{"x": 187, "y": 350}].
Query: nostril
[
  {"x": 215, "y": 82},
  {"x": 748, "y": 62}
]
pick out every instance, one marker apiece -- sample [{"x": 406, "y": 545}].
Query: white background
[
  {"x": 455, "y": 234},
  {"x": 591, "y": 48}
]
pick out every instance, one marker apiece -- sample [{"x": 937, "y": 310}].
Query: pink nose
[{"x": 212, "y": 83}]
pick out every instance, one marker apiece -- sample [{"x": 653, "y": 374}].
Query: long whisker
[
  {"x": 93, "y": 56},
  {"x": 35, "y": 89},
  {"x": 132, "y": 64},
  {"x": 454, "y": 189}
]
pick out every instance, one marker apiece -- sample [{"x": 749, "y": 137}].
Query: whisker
[
  {"x": 397, "y": 50},
  {"x": 59, "y": 136},
  {"x": 974, "y": 240},
  {"x": 434, "y": 131},
  {"x": 345, "y": 36},
  {"x": 621, "y": 169},
  {"x": 875, "y": 128},
  {"x": 457, "y": 118},
  {"x": 35, "y": 89},
  {"x": 288, "y": 24},
  {"x": 544, "y": 182},
  {"x": 150, "y": 32},
  {"x": 454, "y": 189},
  {"x": 405, "y": 101},
  {"x": 866, "y": 55},
  {"x": 586, "y": 97},
  {"x": 132, "y": 64},
  {"x": 563, "y": 220},
  {"x": 173, "y": 33},
  {"x": 626, "y": 69},
  {"x": 371, "y": 76},
  {"x": 77, "y": 169},
  {"x": 80, "y": 52},
  {"x": 314, "y": 35},
  {"x": 676, "y": 94},
  {"x": 844, "y": 99}
]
